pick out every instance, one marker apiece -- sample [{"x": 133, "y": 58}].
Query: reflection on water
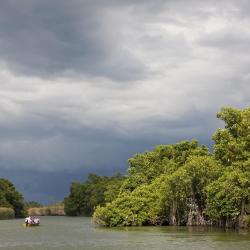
[{"x": 80, "y": 233}]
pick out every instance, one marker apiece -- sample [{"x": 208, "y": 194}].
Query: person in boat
[
  {"x": 27, "y": 221},
  {"x": 32, "y": 221},
  {"x": 37, "y": 221}
]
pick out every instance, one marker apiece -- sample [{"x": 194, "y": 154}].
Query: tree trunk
[
  {"x": 195, "y": 215},
  {"x": 242, "y": 223},
  {"x": 173, "y": 220}
]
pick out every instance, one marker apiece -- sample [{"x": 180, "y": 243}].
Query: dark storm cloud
[
  {"x": 84, "y": 85},
  {"x": 96, "y": 38},
  {"x": 54, "y": 143},
  {"x": 43, "y": 169},
  {"x": 48, "y": 38}
]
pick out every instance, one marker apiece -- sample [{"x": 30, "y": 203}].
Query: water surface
[{"x": 80, "y": 233}]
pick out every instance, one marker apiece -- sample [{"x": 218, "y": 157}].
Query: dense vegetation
[
  {"x": 185, "y": 184},
  {"x": 11, "y": 201},
  {"x": 97, "y": 190},
  {"x": 6, "y": 213}
]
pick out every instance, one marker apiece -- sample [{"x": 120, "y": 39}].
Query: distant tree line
[
  {"x": 180, "y": 184},
  {"x": 96, "y": 190},
  {"x": 11, "y": 201},
  {"x": 32, "y": 204}
]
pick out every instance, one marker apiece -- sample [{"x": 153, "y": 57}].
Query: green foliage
[
  {"x": 140, "y": 207},
  {"x": 6, "y": 213},
  {"x": 159, "y": 182},
  {"x": 74, "y": 203},
  {"x": 97, "y": 190},
  {"x": 183, "y": 184},
  {"x": 11, "y": 198},
  {"x": 228, "y": 195},
  {"x": 165, "y": 159},
  {"x": 30, "y": 204},
  {"x": 232, "y": 144},
  {"x": 185, "y": 189}
]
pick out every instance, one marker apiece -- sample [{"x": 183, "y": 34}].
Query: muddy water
[{"x": 80, "y": 233}]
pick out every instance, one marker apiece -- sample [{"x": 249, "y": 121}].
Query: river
[{"x": 80, "y": 233}]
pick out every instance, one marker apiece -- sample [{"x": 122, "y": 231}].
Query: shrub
[
  {"x": 47, "y": 211},
  {"x": 6, "y": 213}
]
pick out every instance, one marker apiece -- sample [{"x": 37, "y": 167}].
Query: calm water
[{"x": 80, "y": 233}]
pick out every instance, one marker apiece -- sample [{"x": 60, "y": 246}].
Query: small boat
[{"x": 31, "y": 221}]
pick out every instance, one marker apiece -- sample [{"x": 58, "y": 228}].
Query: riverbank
[
  {"x": 6, "y": 213},
  {"x": 53, "y": 210}
]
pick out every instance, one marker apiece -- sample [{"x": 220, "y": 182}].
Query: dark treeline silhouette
[{"x": 97, "y": 190}]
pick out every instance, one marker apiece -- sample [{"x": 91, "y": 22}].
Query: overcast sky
[{"x": 85, "y": 84}]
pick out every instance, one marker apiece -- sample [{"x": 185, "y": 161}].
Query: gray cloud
[
  {"x": 86, "y": 84},
  {"x": 54, "y": 37}
]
